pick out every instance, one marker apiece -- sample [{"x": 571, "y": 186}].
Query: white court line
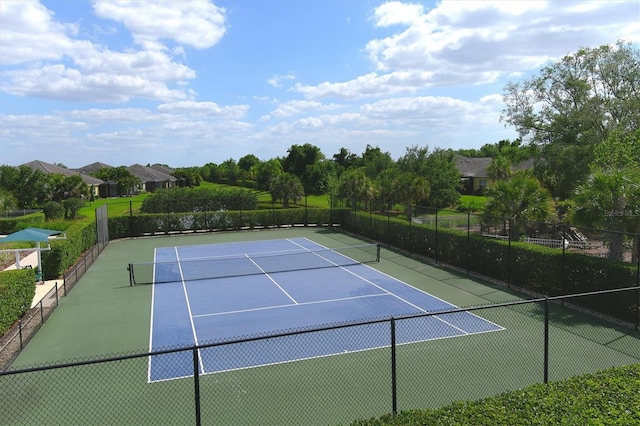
[
  {"x": 266, "y": 308},
  {"x": 395, "y": 295},
  {"x": 153, "y": 289},
  {"x": 186, "y": 296},
  {"x": 272, "y": 280}
]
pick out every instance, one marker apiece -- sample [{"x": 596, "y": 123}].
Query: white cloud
[
  {"x": 210, "y": 109},
  {"x": 472, "y": 43},
  {"x": 395, "y": 12},
  {"x": 295, "y": 107},
  {"x": 29, "y": 33},
  {"x": 276, "y": 80},
  {"x": 199, "y": 24}
]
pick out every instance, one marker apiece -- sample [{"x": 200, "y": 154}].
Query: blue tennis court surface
[{"x": 251, "y": 294}]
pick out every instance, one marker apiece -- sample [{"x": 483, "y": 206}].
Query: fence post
[
  {"x": 509, "y": 256},
  {"x": 563, "y": 278},
  {"x": 546, "y": 340},
  {"x": 638, "y": 281},
  {"x": 196, "y": 384},
  {"x": 20, "y": 334},
  {"x": 468, "y": 240},
  {"x": 130, "y": 218},
  {"x": 394, "y": 389},
  {"x": 436, "y": 235}
]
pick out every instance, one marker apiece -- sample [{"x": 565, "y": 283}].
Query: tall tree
[
  {"x": 572, "y": 106},
  {"x": 518, "y": 199},
  {"x": 609, "y": 200},
  {"x": 126, "y": 181},
  {"x": 357, "y": 186},
  {"x": 439, "y": 169},
  {"x": 286, "y": 187},
  {"x": 248, "y": 165},
  {"x": 610, "y": 197},
  {"x": 409, "y": 188},
  {"x": 345, "y": 159},
  {"x": 375, "y": 161},
  {"x": 229, "y": 171},
  {"x": 266, "y": 171},
  {"x": 299, "y": 157}
]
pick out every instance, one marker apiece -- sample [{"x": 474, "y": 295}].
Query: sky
[{"x": 190, "y": 82}]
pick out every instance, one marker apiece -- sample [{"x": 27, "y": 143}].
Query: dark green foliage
[
  {"x": 531, "y": 267},
  {"x": 607, "y": 397},
  {"x": 71, "y": 207},
  {"x": 17, "y": 289},
  {"x": 191, "y": 175},
  {"x": 10, "y": 225},
  {"x": 176, "y": 200},
  {"x": 124, "y": 178},
  {"x": 53, "y": 210},
  {"x": 81, "y": 235},
  {"x": 147, "y": 224}
]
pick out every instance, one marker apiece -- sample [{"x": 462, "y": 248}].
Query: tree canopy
[{"x": 572, "y": 106}]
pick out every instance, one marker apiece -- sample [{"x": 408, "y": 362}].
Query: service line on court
[
  {"x": 186, "y": 296},
  {"x": 266, "y": 308}
]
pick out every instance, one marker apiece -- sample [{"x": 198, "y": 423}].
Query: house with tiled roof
[
  {"x": 93, "y": 167},
  {"x": 474, "y": 175},
  {"x": 47, "y": 168},
  {"x": 152, "y": 179}
]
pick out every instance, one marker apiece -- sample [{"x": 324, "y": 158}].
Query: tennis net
[{"x": 251, "y": 264}]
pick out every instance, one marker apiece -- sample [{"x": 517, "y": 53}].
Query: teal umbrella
[{"x": 32, "y": 234}]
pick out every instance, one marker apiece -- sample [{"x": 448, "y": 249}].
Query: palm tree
[
  {"x": 499, "y": 168},
  {"x": 609, "y": 201},
  {"x": 410, "y": 188},
  {"x": 286, "y": 187},
  {"x": 356, "y": 185},
  {"x": 519, "y": 199}
]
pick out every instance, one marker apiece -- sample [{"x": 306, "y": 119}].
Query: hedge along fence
[
  {"x": 17, "y": 289},
  {"x": 531, "y": 267},
  {"x": 81, "y": 236},
  {"x": 11, "y": 225},
  {"x": 151, "y": 224}
]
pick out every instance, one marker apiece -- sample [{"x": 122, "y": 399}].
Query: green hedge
[
  {"x": 535, "y": 268},
  {"x": 177, "y": 200},
  {"x": 10, "y": 225},
  {"x": 604, "y": 398},
  {"x": 145, "y": 224},
  {"x": 81, "y": 235},
  {"x": 17, "y": 289}
]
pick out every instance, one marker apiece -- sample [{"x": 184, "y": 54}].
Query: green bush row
[
  {"x": 535, "y": 268},
  {"x": 145, "y": 224},
  {"x": 606, "y": 397},
  {"x": 13, "y": 224},
  {"x": 81, "y": 235},
  {"x": 17, "y": 289},
  {"x": 177, "y": 200}
]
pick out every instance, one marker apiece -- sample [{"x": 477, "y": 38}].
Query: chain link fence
[
  {"x": 540, "y": 340},
  {"x": 16, "y": 338}
]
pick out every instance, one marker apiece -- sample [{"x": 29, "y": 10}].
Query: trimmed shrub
[
  {"x": 53, "y": 210},
  {"x": 17, "y": 289},
  {"x": 10, "y": 225}
]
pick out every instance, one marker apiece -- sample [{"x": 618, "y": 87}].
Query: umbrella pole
[{"x": 40, "y": 277}]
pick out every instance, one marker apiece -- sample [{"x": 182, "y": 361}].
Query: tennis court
[{"x": 220, "y": 292}]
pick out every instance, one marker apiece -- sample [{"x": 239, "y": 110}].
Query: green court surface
[{"x": 103, "y": 316}]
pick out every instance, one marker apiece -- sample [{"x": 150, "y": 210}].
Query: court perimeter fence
[
  {"x": 16, "y": 338},
  {"x": 543, "y": 339}
]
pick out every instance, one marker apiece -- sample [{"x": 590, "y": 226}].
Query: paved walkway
[{"x": 42, "y": 287}]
